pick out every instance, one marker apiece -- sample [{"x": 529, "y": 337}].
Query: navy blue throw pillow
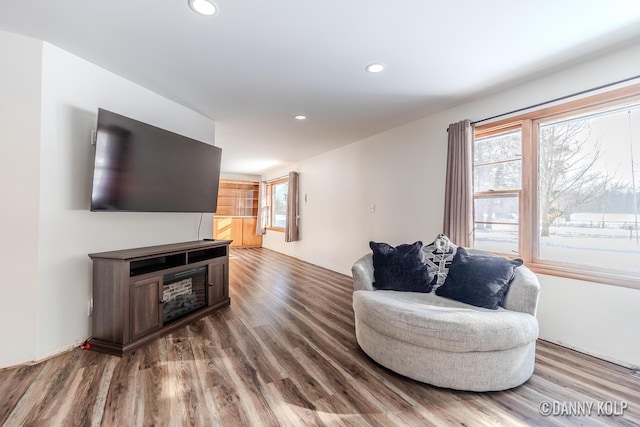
[
  {"x": 480, "y": 280},
  {"x": 401, "y": 268}
]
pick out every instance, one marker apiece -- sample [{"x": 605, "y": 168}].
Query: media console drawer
[{"x": 142, "y": 294}]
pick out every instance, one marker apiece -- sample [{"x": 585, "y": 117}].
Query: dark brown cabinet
[
  {"x": 218, "y": 276},
  {"x": 145, "y": 315},
  {"x": 144, "y": 293}
]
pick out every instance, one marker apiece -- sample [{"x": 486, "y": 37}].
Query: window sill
[
  {"x": 604, "y": 277},
  {"x": 282, "y": 230}
]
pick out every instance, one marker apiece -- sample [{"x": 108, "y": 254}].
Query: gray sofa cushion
[{"x": 442, "y": 324}]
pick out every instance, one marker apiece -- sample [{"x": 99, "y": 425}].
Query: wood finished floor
[{"x": 284, "y": 353}]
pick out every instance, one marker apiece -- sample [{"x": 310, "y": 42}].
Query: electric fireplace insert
[{"x": 183, "y": 293}]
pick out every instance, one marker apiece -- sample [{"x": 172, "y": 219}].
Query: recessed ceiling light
[
  {"x": 300, "y": 117},
  {"x": 203, "y": 7},
  {"x": 375, "y": 68}
]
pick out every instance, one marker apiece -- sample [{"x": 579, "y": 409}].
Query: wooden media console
[{"x": 142, "y": 294}]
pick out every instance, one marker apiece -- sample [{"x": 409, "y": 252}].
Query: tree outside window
[
  {"x": 586, "y": 190},
  {"x": 560, "y": 188}
]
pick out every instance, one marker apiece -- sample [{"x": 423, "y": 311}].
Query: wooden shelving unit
[
  {"x": 237, "y": 213},
  {"x": 238, "y": 198}
]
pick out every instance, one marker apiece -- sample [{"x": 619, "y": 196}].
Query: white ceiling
[{"x": 257, "y": 63}]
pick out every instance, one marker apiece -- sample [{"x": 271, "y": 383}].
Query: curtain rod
[
  {"x": 275, "y": 179},
  {"x": 562, "y": 98}
]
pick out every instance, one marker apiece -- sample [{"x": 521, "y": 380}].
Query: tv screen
[{"x": 139, "y": 167}]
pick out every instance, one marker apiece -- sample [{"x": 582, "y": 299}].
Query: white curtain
[
  {"x": 263, "y": 209},
  {"x": 291, "y": 230},
  {"x": 458, "y": 205}
]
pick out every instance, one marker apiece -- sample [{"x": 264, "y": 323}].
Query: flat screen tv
[{"x": 142, "y": 168}]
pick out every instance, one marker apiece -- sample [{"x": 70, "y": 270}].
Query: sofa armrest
[
  {"x": 362, "y": 272},
  {"x": 523, "y": 292}
]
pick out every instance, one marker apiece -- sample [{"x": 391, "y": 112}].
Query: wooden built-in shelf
[
  {"x": 237, "y": 198},
  {"x": 237, "y": 212}
]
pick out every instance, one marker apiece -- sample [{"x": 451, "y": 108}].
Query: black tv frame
[{"x": 143, "y": 168}]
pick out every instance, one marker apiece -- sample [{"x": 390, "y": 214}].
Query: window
[
  {"x": 497, "y": 179},
  {"x": 277, "y": 193},
  {"x": 560, "y": 188}
]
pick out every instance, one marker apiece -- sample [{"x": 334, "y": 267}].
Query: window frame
[
  {"x": 489, "y": 132},
  {"x": 529, "y": 209},
  {"x": 269, "y": 185}
]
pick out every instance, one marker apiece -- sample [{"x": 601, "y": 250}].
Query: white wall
[
  {"x": 49, "y": 106},
  {"x": 397, "y": 171},
  {"x": 402, "y": 172},
  {"x": 72, "y": 92},
  {"x": 593, "y": 318},
  {"x": 19, "y": 182},
  {"x": 239, "y": 176}
]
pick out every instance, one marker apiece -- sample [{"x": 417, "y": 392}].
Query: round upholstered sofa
[{"x": 444, "y": 342}]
